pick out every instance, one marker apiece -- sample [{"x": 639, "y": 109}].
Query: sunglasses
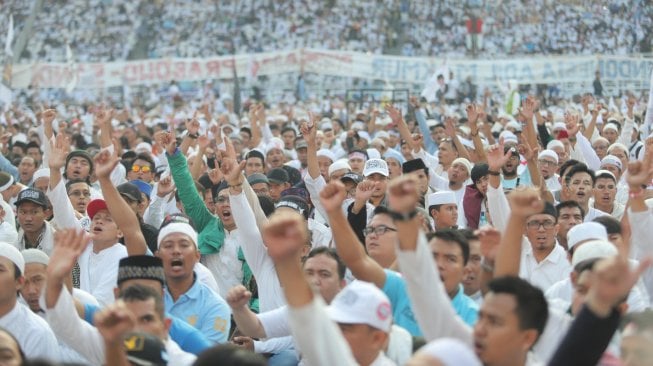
[{"x": 141, "y": 168}]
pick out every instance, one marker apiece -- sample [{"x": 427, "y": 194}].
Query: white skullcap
[
  {"x": 450, "y": 352},
  {"x": 559, "y": 126},
  {"x": 377, "y": 140},
  {"x": 617, "y": 145},
  {"x": 275, "y": 143},
  {"x": 466, "y": 163},
  {"x": 295, "y": 164},
  {"x": 143, "y": 147},
  {"x": 364, "y": 135},
  {"x": 509, "y": 137},
  {"x": 431, "y": 122},
  {"x": 555, "y": 143},
  {"x": 514, "y": 124},
  {"x": 593, "y": 249},
  {"x": 338, "y": 165},
  {"x": 584, "y": 232},
  {"x": 611, "y": 160},
  {"x": 441, "y": 198},
  {"x": 610, "y": 126},
  {"x": 10, "y": 252},
  {"x": 35, "y": 256},
  {"x": 381, "y": 135},
  {"x": 358, "y": 126},
  {"x": 373, "y": 154},
  {"x": 548, "y": 154},
  {"x": 326, "y": 153},
  {"x": 41, "y": 173}
]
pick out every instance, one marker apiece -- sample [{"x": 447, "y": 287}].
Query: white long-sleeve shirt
[
  {"x": 33, "y": 333},
  {"x": 641, "y": 225}
]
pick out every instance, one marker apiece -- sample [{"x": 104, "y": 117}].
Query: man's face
[
  {"x": 562, "y": 154},
  {"x": 601, "y": 148},
  {"x": 9, "y": 350},
  {"x": 445, "y": 216},
  {"x": 611, "y": 135},
  {"x": 223, "y": 209},
  {"x": 472, "y": 276},
  {"x": 179, "y": 255},
  {"x": 357, "y": 164},
  {"x": 275, "y": 158},
  {"x": 449, "y": 258},
  {"x": 302, "y": 156},
  {"x": 276, "y": 189},
  {"x": 482, "y": 183},
  {"x": 9, "y": 285},
  {"x": 141, "y": 170},
  {"x": 621, "y": 154},
  {"x": 457, "y": 173},
  {"x": 323, "y": 163},
  {"x": 254, "y": 165},
  {"x": 322, "y": 273},
  {"x": 446, "y": 152},
  {"x": 498, "y": 339},
  {"x": 104, "y": 229},
  {"x": 31, "y": 217},
  {"x": 394, "y": 168},
  {"x": 510, "y": 167},
  {"x": 79, "y": 195},
  {"x": 78, "y": 168},
  {"x": 422, "y": 180},
  {"x": 568, "y": 217},
  {"x": 245, "y": 137},
  {"x": 605, "y": 190},
  {"x": 148, "y": 320},
  {"x": 42, "y": 183},
  {"x": 364, "y": 341},
  {"x": 288, "y": 139},
  {"x": 548, "y": 167},
  {"x": 382, "y": 247},
  {"x": 580, "y": 188},
  {"x": 541, "y": 231},
  {"x": 438, "y": 133},
  {"x": 26, "y": 169},
  {"x": 35, "y": 153},
  {"x": 261, "y": 189},
  {"x": 381, "y": 184},
  {"x": 35, "y": 276}
]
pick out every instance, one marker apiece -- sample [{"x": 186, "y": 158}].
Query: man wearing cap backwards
[
  {"x": 32, "y": 209},
  {"x": 32, "y": 333},
  {"x": 110, "y": 220},
  {"x": 140, "y": 303},
  {"x": 544, "y": 261},
  {"x": 362, "y": 312},
  {"x": 133, "y": 197}
]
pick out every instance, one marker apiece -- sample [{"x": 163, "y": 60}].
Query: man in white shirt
[
  {"x": 580, "y": 182},
  {"x": 33, "y": 334}
]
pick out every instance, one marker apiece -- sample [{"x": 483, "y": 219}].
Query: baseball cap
[
  {"x": 296, "y": 203},
  {"x": 584, "y": 232},
  {"x": 278, "y": 176},
  {"x": 257, "y": 178},
  {"x": 301, "y": 144},
  {"x": 32, "y": 195},
  {"x": 362, "y": 303},
  {"x": 130, "y": 190},
  {"x": 95, "y": 206},
  {"x": 351, "y": 176},
  {"x": 145, "y": 188},
  {"x": 376, "y": 166},
  {"x": 144, "y": 349}
]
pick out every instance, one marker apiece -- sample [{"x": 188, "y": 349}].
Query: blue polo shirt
[
  {"x": 203, "y": 309},
  {"x": 466, "y": 308},
  {"x": 402, "y": 311},
  {"x": 188, "y": 338}
]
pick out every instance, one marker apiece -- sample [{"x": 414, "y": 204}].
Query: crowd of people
[
  {"x": 100, "y": 31},
  {"x": 505, "y": 232}
]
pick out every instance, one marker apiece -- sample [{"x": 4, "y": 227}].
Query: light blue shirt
[
  {"x": 203, "y": 309},
  {"x": 522, "y": 180},
  {"x": 465, "y": 307},
  {"x": 402, "y": 311}
]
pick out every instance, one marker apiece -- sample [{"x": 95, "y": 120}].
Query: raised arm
[
  {"x": 238, "y": 299},
  {"x": 398, "y": 120},
  {"x": 311, "y": 152},
  {"x": 64, "y": 213},
  {"x": 473, "y": 113},
  {"x": 349, "y": 248},
  {"x": 198, "y": 161},
  {"x": 121, "y": 213},
  {"x": 103, "y": 118}
]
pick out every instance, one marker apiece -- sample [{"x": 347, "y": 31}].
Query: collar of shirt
[
  {"x": 13, "y": 316},
  {"x": 193, "y": 293},
  {"x": 557, "y": 254}
]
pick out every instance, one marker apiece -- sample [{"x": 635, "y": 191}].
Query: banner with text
[{"x": 541, "y": 70}]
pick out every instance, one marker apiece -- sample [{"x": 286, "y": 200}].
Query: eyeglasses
[
  {"x": 535, "y": 225},
  {"x": 141, "y": 168},
  {"x": 547, "y": 162},
  {"x": 80, "y": 194},
  {"x": 379, "y": 230}
]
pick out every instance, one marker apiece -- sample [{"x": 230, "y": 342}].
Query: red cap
[
  {"x": 563, "y": 135},
  {"x": 95, "y": 206}
]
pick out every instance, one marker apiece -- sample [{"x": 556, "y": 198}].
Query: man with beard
[
  {"x": 510, "y": 178},
  {"x": 580, "y": 182},
  {"x": 548, "y": 163}
]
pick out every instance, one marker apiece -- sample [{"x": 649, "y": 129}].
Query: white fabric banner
[{"x": 545, "y": 70}]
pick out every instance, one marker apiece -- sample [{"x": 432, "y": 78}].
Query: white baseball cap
[
  {"x": 362, "y": 303},
  {"x": 441, "y": 198},
  {"x": 376, "y": 166},
  {"x": 585, "y": 232},
  {"x": 593, "y": 249}
]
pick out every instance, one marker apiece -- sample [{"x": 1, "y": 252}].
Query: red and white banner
[{"x": 544, "y": 70}]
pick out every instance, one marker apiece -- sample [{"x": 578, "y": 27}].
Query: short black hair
[
  {"x": 229, "y": 354},
  {"x": 532, "y": 308},
  {"x": 247, "y": 130},
  {"x": 606, "y": 175},
  {"x": 569, "y": 204},
  {"x": 579, "y": 168},
  {"x": 288, "y": 128},
  {"x": 75, "y": 181},
  {"x": 381, "y": 210},
  {"x": 452, "y": 236},
  {"x": 612, "y": 225},
  {"x": 329, "y": 252},
  {"x": 147, "y": 158},
  {"x": 143, "y": 293},
  {"x": 468, "y": 234},
  {"x": 567, "y": 165}
]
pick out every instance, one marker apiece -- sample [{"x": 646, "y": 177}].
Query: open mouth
[
  {"x": 97, "y": 229},
  {"x": 226, "y": 213},
  {"x": 176, "y": 263}
]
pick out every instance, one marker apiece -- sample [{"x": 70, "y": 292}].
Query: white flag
[
  {"x": 9, "y": 52},
  {"x": 72, "y": 69}
]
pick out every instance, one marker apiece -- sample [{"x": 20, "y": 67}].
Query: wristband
[
  {"x": 396, "y": 216},
  {"x": 492, "y": 172}
]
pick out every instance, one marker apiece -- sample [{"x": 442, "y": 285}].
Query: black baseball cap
[
  {"x": 278, "y": 176},
  {"x": 131, "y": 191},
  {"x": 32, "y": 195}
]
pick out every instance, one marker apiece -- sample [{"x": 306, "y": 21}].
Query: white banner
[{"x": 541, "y": 70}]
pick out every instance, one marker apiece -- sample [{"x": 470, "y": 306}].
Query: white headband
[{"x": 176, "y": 227}]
